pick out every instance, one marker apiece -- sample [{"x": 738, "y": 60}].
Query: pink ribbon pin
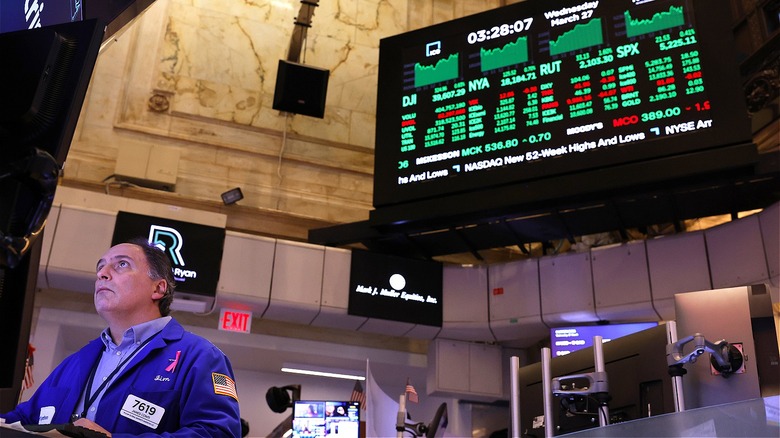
[{"x": 172, "y": 366}]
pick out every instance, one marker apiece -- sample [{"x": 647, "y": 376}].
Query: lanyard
[{"x": 90, "y": 399}]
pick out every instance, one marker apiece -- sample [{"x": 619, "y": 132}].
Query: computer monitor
[
  {"x": 565, "y": 340},
  {"x": 318, "y": 419},
  {"x": 43, "y": 79},
  {"x": 638, "y": 382}
]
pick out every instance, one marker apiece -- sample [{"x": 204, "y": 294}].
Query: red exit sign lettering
[{"x": 235, "y": 320}]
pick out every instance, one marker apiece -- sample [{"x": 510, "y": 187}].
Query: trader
[{"x": 145, "y": 374}]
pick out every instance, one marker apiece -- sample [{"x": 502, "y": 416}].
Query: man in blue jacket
[{"x": 144, "y": 375}]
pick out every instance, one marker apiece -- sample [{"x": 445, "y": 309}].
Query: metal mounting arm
[
  {"x": 725, "y": 357},
  {"x": 578, "y": 384}
]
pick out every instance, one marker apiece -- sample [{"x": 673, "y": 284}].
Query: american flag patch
[{"x": 224, "y": 385}]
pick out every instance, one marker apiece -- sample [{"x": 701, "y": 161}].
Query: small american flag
[
  {"x": 411, "y": 393},
  {"x": 28, "y": 368},
  {"x": 358, "y": 395},
  {"x": 224, "y": 385}
]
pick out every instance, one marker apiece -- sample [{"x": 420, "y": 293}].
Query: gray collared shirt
[{"x": 114, "y": 356}]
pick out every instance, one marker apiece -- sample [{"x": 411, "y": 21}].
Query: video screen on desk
[
  {"x": 540, "y": 89},
  {"x": 566, "y": 340},
  {"x": 319, "y": 419},
  {"x": 639, "y": 385}
]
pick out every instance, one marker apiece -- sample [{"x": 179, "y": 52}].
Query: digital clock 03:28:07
[{"x": 498, "y": 31}]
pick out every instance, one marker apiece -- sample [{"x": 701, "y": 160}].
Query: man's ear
[{"x": 160, "y": 289}]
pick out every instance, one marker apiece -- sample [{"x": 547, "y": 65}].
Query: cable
[
  {"x": 119, "y": 184},
  {"x": 603, "y": 414},
  {"x": 281, "y": 150}
]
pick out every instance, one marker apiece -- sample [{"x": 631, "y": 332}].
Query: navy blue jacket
[{"x": 195, "y": 394}]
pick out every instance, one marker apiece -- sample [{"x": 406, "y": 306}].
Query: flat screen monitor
[
  {"x": 638, "y": 382},
  {"x": 566, "y": 340},
  {"x": 43, "y": 80},
  {"x": 195, "y": 250},
  {"x": 318, "y": 419},
  {"x": 21, "y": 15},
  {"x": 44, "y": 74},
  {"x": 542, "y": 89},
  {"x": 395, "y": 288}
]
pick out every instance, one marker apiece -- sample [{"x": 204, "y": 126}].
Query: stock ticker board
[{"x": 543, "y": 88}]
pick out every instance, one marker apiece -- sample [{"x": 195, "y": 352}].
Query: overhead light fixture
[{"x": 312, "y": 370}]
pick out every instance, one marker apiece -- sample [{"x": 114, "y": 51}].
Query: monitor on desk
[
  {"x": 43, "y": 80},
  {"x": 638, "y": 381},
  {"x": 321, "y": 418},
  {"x": 565, "y": 340}
]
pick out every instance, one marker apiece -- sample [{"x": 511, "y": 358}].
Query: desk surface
[{"x": 750, "y": 418}]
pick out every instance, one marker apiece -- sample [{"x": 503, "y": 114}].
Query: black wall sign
[
  {"x": 395, "y": 288},
  {"x": 195, "y": 250}
]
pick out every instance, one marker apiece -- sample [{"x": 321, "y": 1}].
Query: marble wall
[{"x": 198, "y": 76}]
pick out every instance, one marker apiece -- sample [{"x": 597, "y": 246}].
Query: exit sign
[{"x": 235, "y": 320}]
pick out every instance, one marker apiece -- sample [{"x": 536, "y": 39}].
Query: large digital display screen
[
  {"x": 395, "y": 288},
  {"x": 544, "y": 88},
  {"x": 195, "y": 250}
]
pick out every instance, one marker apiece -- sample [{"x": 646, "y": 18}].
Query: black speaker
[{"x": 300, "y": 89}]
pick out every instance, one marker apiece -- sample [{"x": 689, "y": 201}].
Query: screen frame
[
  {"x": 637, "y": 376},
  {"x": 374, "y": 270},
  {"x": 208, "y": 243},
  {"x": 728, "y": 129},
  {"x": 353, "y": 415},
  {"x": 608, "y": 332}
]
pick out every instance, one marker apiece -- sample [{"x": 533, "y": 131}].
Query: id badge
[
  {"x": 46, "y": 414},
  {"x": 142, "y": 411}
]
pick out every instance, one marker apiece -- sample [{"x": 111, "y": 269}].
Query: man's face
[{"x": 123, "y": 283}]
